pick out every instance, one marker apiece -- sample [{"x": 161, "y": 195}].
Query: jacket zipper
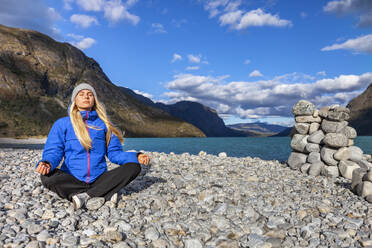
[{"x": 86, "y": 125}]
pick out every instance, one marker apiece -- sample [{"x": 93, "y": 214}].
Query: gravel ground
[{"x": 187, "y": 201}]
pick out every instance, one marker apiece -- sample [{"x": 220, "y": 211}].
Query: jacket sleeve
[
  {"x": 116, "y": 154},
  {"x": 55, "y": 145}
]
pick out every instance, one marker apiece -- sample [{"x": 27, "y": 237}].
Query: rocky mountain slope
[
  {"x": 361, "y": 112},
  {"x": 37, "y": 76},
  {"x": 203, "y": 117},
  {"x": 258, "y": 128}
]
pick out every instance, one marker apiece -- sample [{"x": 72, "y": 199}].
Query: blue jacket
[{"x": 85, "y": 165}]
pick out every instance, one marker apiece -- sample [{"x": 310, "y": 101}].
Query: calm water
[{"x": 268, "y": 148}]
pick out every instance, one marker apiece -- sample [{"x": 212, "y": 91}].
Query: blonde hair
[{"x": 81, "y": 130}]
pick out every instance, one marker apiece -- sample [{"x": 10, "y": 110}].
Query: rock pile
[{"x": 323, "y": 143}]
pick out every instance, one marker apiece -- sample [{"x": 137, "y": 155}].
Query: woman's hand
[
  {"x": 43, "y": 168},
  {"x": 143, "y": 159}
]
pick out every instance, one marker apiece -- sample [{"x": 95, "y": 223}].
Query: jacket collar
[{"x": 92, "y": 115}]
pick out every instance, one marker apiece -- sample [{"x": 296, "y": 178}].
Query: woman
[{"x": 83, "y": 139}]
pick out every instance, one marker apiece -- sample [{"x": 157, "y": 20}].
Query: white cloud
[
  {"x": 158, "y": 28},
  {"x": 192, "y": 68},
  {"x": 256, "y": 73},
  {"x": 115, "y": 11},
  {"x": 143, "y": 94},
  {"x": 231, "y": 18},
  {"x": 259, "y": 18},
  {"x": 91, "y": 5},
  {"x": 82, "y": 42},
  {"x": 361, "y": 8},
  {"x": 83, "y": 21},
  {"x": 176, "y": 57},
  {"x": 321, "y": 73},
  {"x": 247, "y": 61},
  {"x": 360, "y": 44},
  {"x": 130, "y": 3},
  {"x": 194, "y": 58},
  {"x": 265, "y": 98},
  {"x": 30, "y": 15}
]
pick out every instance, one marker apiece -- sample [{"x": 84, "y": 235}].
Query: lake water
[{"x": 268, "y": 148}]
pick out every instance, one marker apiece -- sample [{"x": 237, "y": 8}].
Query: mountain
[
  {"x": 38, "y": 75},
  {"x": 258, "y": 128},
  {"x": 361, "y": 112},
  {"x": 286, "y": 132},
  {"x": 203, "y": 117}
]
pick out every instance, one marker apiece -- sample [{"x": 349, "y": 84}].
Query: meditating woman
[{"x": 83, "y": 139}]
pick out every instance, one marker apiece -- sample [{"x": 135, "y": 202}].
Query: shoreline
[{"x": 184, "y": 200}]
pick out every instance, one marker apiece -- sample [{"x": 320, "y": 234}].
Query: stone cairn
[{"x": 323, "y": 144}]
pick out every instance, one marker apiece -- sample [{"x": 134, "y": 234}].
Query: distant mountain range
[{"x": 258, "y": 128}]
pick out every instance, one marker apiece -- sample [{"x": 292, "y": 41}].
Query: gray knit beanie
[{"x": 83, "y": 86}]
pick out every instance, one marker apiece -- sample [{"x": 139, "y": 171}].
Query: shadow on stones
[
  {"x": 142, "y": 182},
  {"x": 344, "y": 185}
]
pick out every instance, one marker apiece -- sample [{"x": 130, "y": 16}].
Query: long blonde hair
[{"x": 81, "y": 130}]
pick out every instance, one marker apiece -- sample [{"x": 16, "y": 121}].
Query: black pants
[{"x": 109, "y": 183}]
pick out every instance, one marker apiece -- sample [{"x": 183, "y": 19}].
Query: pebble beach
[{"x": 187, "y": 201}]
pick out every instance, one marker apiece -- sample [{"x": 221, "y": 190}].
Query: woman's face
[{"x": 84, "y": 100}]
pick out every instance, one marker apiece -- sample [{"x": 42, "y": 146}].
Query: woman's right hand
[{"x": 43, "y": 168}]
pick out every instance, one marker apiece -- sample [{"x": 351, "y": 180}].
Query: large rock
[
  {"x": 346, "y": 168},
  {"x": 296, "y": 159},
  {"x": 314, "y": 157},
  {"x": 357, "y": 177},
  {"x": 333, "y": 126},
  {"x": 314, "y": 127},
  {"x": 303, "y": 107},
  {"x": 323, "y": 112},
  {"x": 330, "y": 171},
  {"x": 364, "y": 164},
  {"x": 298, "y": 142},
  {"x": 302, "y": 128},
  {"x": 335, "y": 140},
  {"x": 326, "y": 154},
  {"x": 349, "y": 132},
  {"x": 366, "y": 189},
  {"x": 316, "y": 168},
  {"x": 368, "y": 176},
  {"x": 307, "y": 119},
  {"x": 305, "y": 168},
  {"x": 356, "y": 154},
  {"x": 342, "y": 154},
  {"x": 312, "y": 147},
  {"x": 316, "y": 137},
  {"x": 338, "y": 114}
]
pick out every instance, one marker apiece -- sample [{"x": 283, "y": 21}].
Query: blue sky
[{"x": 249, "y": 60}]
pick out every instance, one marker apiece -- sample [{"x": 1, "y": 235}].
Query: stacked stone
[
  {"x": 323, "y": 143},
  {"x": 362, "y": 183}
]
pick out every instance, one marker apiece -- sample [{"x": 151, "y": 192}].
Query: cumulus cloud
[
  {"x": 194, "y": 58},
  {"x": 115, "y": 11},
  {"x": 91, "y": 5},
  {"x": 361, "y": 8},
  {"x": 30, "y": 15},
  {"x": 176, "y": 57},
  {"x": 233, "y": 15},
  {"x": 82, "y": 42},
  {"x": 256, "y": 73},
  {"x": 143, "y": 94},
  {"x": 158, "y": 28},
  {"x": 265, "y": 98},
  {"x": 83, "y": 21},
  {"x": 360, "y": 44}
]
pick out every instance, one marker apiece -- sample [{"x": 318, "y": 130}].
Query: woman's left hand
[{"x": 143, "y": 159}]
